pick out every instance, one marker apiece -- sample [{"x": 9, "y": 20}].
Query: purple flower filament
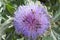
[{"x": 32, "y": 21}]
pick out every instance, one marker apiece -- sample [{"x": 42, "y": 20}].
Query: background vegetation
[{"x": 7, "y": 8}]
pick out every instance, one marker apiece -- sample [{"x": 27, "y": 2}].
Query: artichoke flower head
[{"x": 31, "y": 20}]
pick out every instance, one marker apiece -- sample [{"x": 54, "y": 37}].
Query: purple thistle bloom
[{"x": 31, "y": 20}]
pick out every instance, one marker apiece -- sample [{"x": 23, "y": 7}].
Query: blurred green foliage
[{"x": 7, "y": 8}]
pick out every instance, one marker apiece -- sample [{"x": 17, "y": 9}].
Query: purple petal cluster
[{"x": 31, "y": 20}]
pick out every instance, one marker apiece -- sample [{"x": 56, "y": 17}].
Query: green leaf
[
  {"x": 10, "y": 8},
  {"x": 56, "y": 35},
  {"x": 18, "y": 2},
  {"x": 50, "y": 37},
  {"x": 21, "y": 38},
  {"x": 4, "y": 25},
  {"x": 57, "y": 15},
  {"x": 47, "y": 38}
]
